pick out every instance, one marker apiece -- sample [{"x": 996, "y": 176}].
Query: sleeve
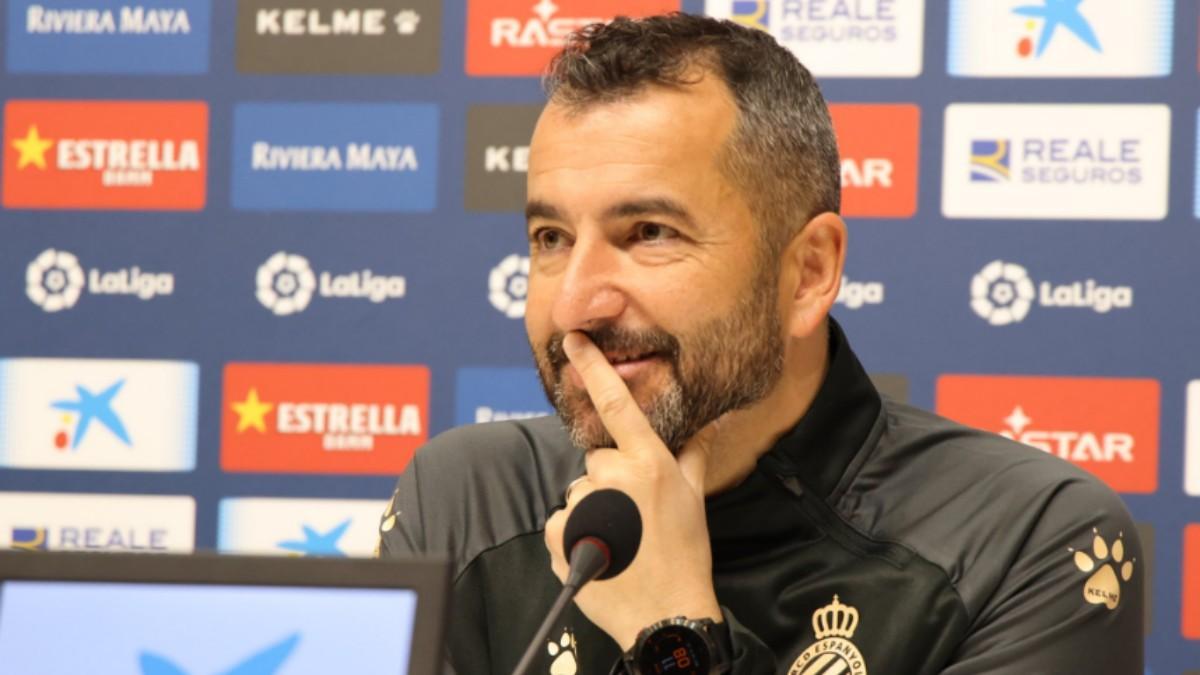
[
  {"x": 748, "y": 655},
  {"x": 1071, "y": 598},
  {"x": 401, "y": 534}
]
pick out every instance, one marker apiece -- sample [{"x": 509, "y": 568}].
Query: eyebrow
[{"x": 666, "y": 206}]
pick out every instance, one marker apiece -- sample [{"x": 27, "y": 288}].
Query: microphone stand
[{"x": 589, "y": 559}]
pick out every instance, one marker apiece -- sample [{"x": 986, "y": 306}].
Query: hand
[{"x": 672, "y": 573}]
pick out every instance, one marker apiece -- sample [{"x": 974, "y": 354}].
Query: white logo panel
[
  {"x": 71, "y": 414},
  {"x": 1077, "y": 161},
  {"x": 95, "y": 522},
  {"x": 1044, "y": 38},
  {"x": 300, "y": 527},
  {"x": 1191, "y": 461},
  {"x": 865, "y": 38}
]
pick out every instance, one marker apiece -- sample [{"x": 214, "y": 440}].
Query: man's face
[{"x": 639, "y": 241}]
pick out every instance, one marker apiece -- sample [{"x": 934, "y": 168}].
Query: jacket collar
[{"x": 820, "y": 448}]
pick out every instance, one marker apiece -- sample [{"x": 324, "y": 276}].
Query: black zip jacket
[{"x": 873, "y": 539}]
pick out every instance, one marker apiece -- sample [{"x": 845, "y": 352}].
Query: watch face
[{"x": 677, "y": 650}]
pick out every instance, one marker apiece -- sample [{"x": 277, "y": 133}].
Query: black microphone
[{"x": 601, "y": 539}]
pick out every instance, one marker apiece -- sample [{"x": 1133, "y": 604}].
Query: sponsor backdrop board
[{"x": 253, "y": 254}]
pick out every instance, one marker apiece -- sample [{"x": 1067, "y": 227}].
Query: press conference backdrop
[{"x": 255, "y": 253}]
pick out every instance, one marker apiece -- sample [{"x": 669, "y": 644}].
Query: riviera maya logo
[
  {"x": 1002, "y": 293},
  {"x": 265, "y": 662},
  {"x": 508, "y": 285},
  {"x": 285, "y": 283},
  {"x": 54, "y": 280},
  {"x": 833, "y": 626},
  {"x": 1053, "y": 15},
  {"x": 1103, "y": 587}
]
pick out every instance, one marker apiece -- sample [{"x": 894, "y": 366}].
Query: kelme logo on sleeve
[
  {"x": 100, "y": 36},
  {"x": 1052, "y": 38},
  {"x": 348, "y": 37},
  {"x": 518, "y": 37},
  {"x": 135, "y": 155},
  {"x": 335, "y": 156},
  {"x": 323, "y": 418},
  {"x": 1106, "y": 426}
]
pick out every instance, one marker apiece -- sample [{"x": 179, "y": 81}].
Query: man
[{"x": 685, "y": 252}]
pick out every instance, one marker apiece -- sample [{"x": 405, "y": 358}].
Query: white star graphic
[
  {"x": 1018, "y": 420},
  {"x": 545, "y": 9}
]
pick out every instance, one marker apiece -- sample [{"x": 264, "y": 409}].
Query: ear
[{"x": 813, "y": 264}]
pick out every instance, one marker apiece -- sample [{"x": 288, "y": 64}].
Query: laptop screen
[{"x": 203, "y": 629}]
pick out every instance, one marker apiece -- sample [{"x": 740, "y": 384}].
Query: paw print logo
[
  {"x": 1104, "y": 587},
  {"x": 406, "y": 22},
  {"x": 562, "y": 651}
]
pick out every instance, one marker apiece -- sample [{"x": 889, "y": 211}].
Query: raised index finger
[{"x": 619, "y": 412}]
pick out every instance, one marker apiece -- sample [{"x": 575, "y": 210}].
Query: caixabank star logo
[
  {"x": 518, "y": 37},
  {"x": 323, "y": 418},
  {"x": 878, "y": 145},
  {"x": 135, "y": 155},
  {"x": 1106, "y": 426},
  {"x": 1053, "y": 38}
]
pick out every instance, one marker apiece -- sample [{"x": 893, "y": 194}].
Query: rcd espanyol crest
[{"x": 833, "y": 626}]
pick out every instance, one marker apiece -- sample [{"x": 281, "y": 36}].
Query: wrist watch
[{"x": 681, "y": 646}]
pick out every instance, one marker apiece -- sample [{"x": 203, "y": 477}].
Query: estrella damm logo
[
  {"x": 377, "y": 157},
  {"x": 168, "y": 37},
  {"x": 323, "y": 418},
  {"x": 136, "y": 155}
]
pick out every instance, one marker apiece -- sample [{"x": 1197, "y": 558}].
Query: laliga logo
[
  {"x": 286, "y": 284},
  {"x": 508, "y": 284},
  {"x": 55, "y": 280},
  {"x": 1002, "y": 293},
  {"x": 855, "y": 294}
]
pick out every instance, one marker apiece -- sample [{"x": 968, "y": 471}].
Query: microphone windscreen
[{"x": 612, "y": 517}]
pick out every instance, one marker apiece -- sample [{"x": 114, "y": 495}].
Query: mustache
[{"x": 610, "y": 338}]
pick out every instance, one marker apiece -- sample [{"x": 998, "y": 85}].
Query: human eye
[
  {"x": 650, "y": 231},
  {"x": 547, "y": 238}
]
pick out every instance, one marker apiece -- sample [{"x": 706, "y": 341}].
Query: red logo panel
[
  {"x": 144, "y": 155},
  {"x": 518, "y": 37},
  {"x": 878, "y": 145},
  {"x": 1191, "y": 582},
  {"x": 341, "y": 419},
  {"x": 1108, "y": 427}
]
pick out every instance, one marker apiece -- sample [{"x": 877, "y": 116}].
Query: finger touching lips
[{"x": 614, "y": 404}]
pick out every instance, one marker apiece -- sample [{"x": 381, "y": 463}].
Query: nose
[{"x": 590, "y": 292}]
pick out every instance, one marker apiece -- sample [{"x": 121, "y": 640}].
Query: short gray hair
[{"x": 782, "y": 154}]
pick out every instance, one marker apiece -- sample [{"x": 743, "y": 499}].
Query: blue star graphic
[
  {"x": 1056, "y": 12},
  {"x": 265, "y": 662},
  {"x": 95, "y": 406},
  {"x": 315, "y": 543}
]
